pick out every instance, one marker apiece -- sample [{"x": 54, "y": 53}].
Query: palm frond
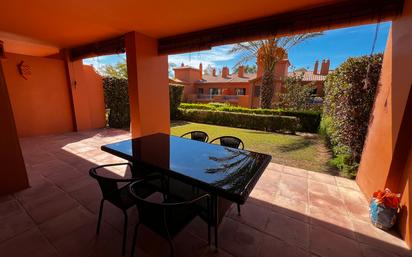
[{"x": 268, "y": 48}]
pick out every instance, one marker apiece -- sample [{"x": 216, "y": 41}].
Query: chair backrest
[
  {"x": 161, "y": 216},
  {"x": 197, "y": 135},
  {"x": 109, "y": 186},
  {"x": 230, "y": 141}
]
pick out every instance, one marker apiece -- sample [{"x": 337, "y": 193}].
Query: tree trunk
[{"x": 267, "y": 90}]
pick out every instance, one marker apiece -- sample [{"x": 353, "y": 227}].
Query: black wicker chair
[
  {"x": 229, "y": 141},
  {"x": 233, "y": 142},
  {"x": 165, "y": 218},
  {"x": 117, "y": 195},
  {"x": 197, "y": 135}
]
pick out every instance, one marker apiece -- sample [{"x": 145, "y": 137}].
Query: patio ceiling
[{"x": 48, "y": 25}]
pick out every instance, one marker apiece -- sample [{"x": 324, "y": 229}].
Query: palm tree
[{"x": 267, "y": 53}]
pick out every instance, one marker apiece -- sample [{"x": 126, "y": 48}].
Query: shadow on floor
[{"x": 57, "y": 215}]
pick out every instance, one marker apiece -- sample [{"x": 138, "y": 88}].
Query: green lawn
[{"x": 306, "y": 151}]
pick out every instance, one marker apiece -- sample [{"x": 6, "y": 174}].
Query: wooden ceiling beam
[
  {"x": 338, "y": 14},
  {"x": 105, "y": 47}
]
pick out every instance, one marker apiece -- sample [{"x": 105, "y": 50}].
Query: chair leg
[
  {"x": 172, "y": 247},
  {"x": 208, "y": 234},
  {"x": 165, "y": 187},
  {"x": 238, "y": 209},
  {"x": 134, "y": 239},
  {"x": 100, "y": 216},
  {"x": 124, "y": 233},
  {"x": 216, "y": 238}
]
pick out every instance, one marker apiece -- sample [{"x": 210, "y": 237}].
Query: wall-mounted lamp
[{"x": 24, "y": 70}]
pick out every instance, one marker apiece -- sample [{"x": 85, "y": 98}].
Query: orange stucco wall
[
  {"x": 97, "y": 112},
  {"x": 88, "y": 96},
  {"x": 187, "y": 74},
  {"x": 42, "y": 103},
  {"x": 405, "y": 223},
  {"x": 378, "y": 149},
  {"x": 403, "y": 162},
  {"x": 148, "y": 86},
  {"x": 381, "y": 165}
]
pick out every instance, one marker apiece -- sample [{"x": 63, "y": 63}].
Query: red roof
[
  {"x": 308, "y": 75},
  {"x": 234, "y": 78}
]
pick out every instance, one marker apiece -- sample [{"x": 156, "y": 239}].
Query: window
[
  {"x": 240, "y": 91},
  {"x": 214, "y": 91},
  {"x": 200, "y": 91},
  {"x": 257, "y": 91}
]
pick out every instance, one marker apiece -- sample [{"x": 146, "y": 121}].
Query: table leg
[{"x": 135, "y": 169}]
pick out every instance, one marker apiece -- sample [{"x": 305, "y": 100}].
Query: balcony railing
[
  {"x": 217, "y": 97},
  {"x": 204, "y": 97},
  {"x": 231, "y": 97}
]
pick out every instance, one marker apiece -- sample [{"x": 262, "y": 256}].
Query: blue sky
[{"x": 336, "y": 45}]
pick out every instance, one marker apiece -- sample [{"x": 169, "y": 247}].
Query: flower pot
[{"x": 381, "y": 216}]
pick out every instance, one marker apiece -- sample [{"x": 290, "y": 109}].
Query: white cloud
[
  {"x": 101, "y": 61},
  {"x": 209, "y": 57}
]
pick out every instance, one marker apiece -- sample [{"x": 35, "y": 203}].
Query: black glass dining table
[{"x": 225, "y": 173}]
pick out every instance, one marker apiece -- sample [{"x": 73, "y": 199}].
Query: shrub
[
  {"x": 196, "y": 106},
  {"x": 117, "y": 101},
  {"x": 347, "y": 107},
  {"x": 218, "y": 104},
  {"x": 308, "y": 120},
  {"x": 242, "y": 120},
  {"x": 297, "y": 94},
  {"x": 176, "y": 94}
]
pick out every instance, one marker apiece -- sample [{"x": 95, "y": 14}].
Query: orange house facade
[{"x": 240, "y": 88}]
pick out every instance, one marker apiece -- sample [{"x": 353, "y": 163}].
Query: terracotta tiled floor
[{"x": 291, "y": 212}]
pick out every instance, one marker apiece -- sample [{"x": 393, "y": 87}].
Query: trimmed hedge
[
  {"x": 347, "y": 109},
  {"x": 116, "y": 98},
  {"x": 242, "y": 120},
  {"x": 308, "y": 120},
  {"x": 117, "y": 101},
  {"x": 175, "y": 94},
  {"x": 197, "y": 106}
]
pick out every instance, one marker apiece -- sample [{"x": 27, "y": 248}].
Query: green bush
[
  {"x": 347, "y": 108},
  {"x": 308, "y": 120},
  {"x": 197, "y": 106},
  {"x": 242, "y": 120},
  {"x": 296, "y": 95},
  {"x": 175, "y": 93},
  {"x": 117, "y": 101}
]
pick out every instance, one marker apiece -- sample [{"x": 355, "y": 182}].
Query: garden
[{"x": 326, "y": 139}]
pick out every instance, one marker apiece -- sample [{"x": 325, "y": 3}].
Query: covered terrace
[{"x": 52, "y": 112}]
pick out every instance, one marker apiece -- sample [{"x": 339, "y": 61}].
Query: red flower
[{"x": 387, "y": 198}]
